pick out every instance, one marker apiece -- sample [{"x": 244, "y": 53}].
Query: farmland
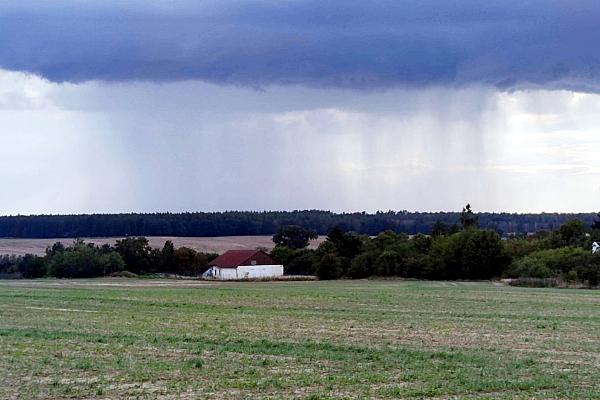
[
  {"x": 217, "y": 245},
  {"x": 129, "y": 338}
]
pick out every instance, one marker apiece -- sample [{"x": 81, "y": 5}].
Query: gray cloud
[
  {"x": 184, "y": 146},
  {"x": 355, "y": 44}
]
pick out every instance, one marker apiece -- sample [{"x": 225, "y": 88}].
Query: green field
[{"x": 309, "y": 340}]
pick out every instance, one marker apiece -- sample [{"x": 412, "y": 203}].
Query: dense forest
[{"x": 265, "y": 223}]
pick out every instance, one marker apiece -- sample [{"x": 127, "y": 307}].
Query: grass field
[
  {"x": 218, "y": 244},
  {"x": 307, "y": 340}
]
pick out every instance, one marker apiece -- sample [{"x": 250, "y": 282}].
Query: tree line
[
  {"x": 265, "y": 223},
  {"x": 458, "y": 251},
  {"x": 130, "y": 256}
]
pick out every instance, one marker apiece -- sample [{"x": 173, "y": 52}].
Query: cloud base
[{"x": 508, "y": 44}]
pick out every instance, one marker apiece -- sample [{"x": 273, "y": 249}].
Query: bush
[
  {"x": 31, "y": 266},
  {"x": 572, "y": 233},
  {"x": 9, "y": 267},
  {"x": 521, "y": 247},
  {"x": 468, "y": 254},
  {"x": 571, "y": 276},
  {"x": 421, "y": 243},
  {"x": 190, "y": 262},
  {"x": 283, "y": 254},
  {"x": 568, "y": 262},
  {"x": 137, "y": 254},
  {"x": 83, "y": 261},
  {"x": 362, "y": 265},
  {"x": 417, "y": 266},
  {"x": 302, "y": 263},
  {"x": 387, "y": 264},
  {"x": 529, "y": 267},
  {"x": 329, "y": 267},
  {"x": 589, "y": 271}
]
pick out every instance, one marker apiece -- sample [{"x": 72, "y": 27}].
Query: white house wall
[
  {"x": 226, "y": 273},
  {"x": 220, "y": 273},
  {"x": 259, "y": 271},
  {"x": 244, "y": 272}
]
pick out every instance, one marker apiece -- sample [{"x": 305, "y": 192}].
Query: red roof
[{"x": 234, "y": 258}]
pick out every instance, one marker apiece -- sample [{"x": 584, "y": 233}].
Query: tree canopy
[
  {"x": 232, "y": 223},
  {"x": 294, "y": 236}
]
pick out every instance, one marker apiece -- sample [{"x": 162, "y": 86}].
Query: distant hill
[{"x": 241, "y": 223}]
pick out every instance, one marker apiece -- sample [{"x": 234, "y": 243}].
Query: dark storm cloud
[{"x": 340, "y": 43}]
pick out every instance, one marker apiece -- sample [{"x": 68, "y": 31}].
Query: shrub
[
  {"x": 190, "y": 262},
  {"x": 283, "y": 254},
  {"x": 329, "y": 267},
  {"x": 386, "y": 264},
  {"x": 301, "y": 264},
  {"x": 529, "y": 267},
  {"x": 568, "y": 262},
  {"x": 572, "y": 233},
  {"x": 483, "y": 256},
  {"x": 571, "y": 276},
  {"x": 417, "y": 266},
  {"x": 589, "y": 272},
  {"x": 136, "y": 252},
  {"x": 421, "y": 243},
  {"x": 9, "y": 267},
  {"x": 362, "y": 265},
  {"x": 468, "y": 254},
  {"x": 83, "y": 261},
  {"x": 521, "y": 247}
]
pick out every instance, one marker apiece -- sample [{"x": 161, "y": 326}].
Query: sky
[{"x": 423, "y": 105}]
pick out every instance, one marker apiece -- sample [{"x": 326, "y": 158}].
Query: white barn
[{"x": 243, "y": 264}]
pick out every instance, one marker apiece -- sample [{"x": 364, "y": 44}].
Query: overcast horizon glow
[{"x": 278, "y": 106}]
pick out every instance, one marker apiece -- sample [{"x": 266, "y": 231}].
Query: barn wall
[
  {"x": 220, "y": 273},
  {"x": 227, "y": 273},
  {"x": 259, "y": 271},
  {"x": 244, "y": 272}
]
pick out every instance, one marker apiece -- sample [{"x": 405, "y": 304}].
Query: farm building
[{"x": 243, "y": 264}]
